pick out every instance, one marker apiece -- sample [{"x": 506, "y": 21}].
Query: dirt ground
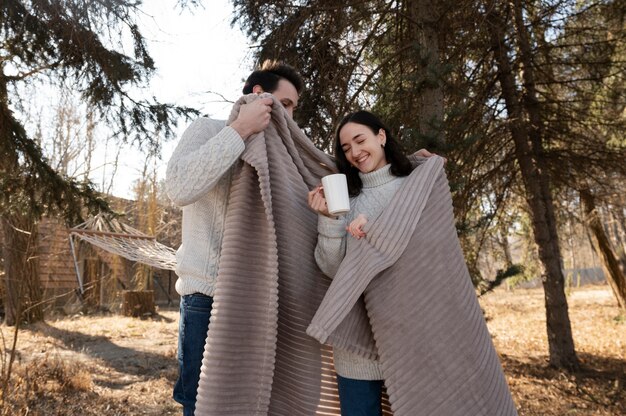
[{"x": 112, "y": 365}]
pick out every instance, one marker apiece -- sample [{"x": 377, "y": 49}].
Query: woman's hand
[
  {"x": 317, "y": 201},
  {"x": 356, "y": 227}
]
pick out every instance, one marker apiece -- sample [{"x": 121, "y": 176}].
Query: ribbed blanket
[
  {"x": 436, "y": 353},
  {"x": 258, "y": 359}
]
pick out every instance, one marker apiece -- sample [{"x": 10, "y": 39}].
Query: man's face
[{"x": 287, "y": 94}]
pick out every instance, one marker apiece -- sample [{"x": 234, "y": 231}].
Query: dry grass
[
  {"x": 517, "y": 323},
  {"x": 111, "y": 365},
  {"x": 95, "y": 365}
]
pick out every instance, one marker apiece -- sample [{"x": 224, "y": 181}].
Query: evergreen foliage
[
  {"x": 78, "y": 45},
  {"x": 525, "y": 98}
]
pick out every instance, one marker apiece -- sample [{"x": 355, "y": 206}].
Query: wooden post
[
  {"x": 138, "y": 303},
  {"x": 101, "y": 281}
]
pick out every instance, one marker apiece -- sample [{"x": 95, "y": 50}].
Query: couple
[{"x": 250, "y": 244}]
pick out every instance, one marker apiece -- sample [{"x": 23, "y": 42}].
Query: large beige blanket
[
  {"x": 258, "y": 359},
  {"x": 436, "y": 353}
]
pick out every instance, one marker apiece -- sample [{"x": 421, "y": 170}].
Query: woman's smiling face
[{"x": 363, "y": 148}]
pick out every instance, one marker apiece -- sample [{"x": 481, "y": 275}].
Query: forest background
[{"x": 526, "y": 99}]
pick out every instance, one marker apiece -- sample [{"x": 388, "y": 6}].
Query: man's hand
[
  {"x": 253, "y": 117},
  {"x": 426, "y": 153}
]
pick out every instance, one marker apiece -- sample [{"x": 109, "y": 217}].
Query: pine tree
[
  {"x": 76, "y": 45},
  {"x": 512, "y": 77}
]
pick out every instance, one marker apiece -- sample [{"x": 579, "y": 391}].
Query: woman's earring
[{"x": 382, "y": 145}]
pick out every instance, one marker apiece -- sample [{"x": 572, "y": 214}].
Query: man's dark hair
[{"x": 268, "y": 75}]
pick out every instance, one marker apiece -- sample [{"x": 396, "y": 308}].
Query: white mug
[{"x": 336, "y": 193}]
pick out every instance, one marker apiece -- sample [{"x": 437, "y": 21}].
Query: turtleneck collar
[{"x": 378, "y": 177}]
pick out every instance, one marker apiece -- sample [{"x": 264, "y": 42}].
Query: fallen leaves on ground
[{"x": 112, "y": 365}]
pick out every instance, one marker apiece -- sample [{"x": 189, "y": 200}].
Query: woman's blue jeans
[
  {"x": 360, "y": 397},
  {"x": 195, "y": 312}
]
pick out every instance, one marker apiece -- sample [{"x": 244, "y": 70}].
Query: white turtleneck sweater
[{"x": 378, "y": 189}]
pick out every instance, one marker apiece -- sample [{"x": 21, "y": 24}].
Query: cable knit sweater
[
  {"x": 198, "y": 179},
  {"x": 378, "y": 189}
]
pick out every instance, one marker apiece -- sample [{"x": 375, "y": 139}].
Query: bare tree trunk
[
  {"x": 23, "y": 293},
  {"x": 539, "y": 198},
  {"x": 90, "y": 146},
  {"x": 503, "y": 241},
  {"x": 618, "y": 224},
  {"x": 424, "y": 20},
  {"x": 22, "y": 290},
  {"x": 610, "y": 263}
]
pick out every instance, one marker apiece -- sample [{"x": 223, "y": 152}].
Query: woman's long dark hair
[{"x": 400, "y": 164}]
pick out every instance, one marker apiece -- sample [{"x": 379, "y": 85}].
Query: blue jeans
[
  {"x": 195, "y": 312},
  {"x": 360, "y": 397}
]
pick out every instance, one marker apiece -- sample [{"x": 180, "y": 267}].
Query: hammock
[{"x": 115, "y": 237}]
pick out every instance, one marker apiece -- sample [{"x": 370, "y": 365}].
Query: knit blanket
[
  {"x": 258, "y": 359},
  {"x": 431, "y": 338}
]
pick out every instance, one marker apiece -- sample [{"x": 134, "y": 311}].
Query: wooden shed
[{"x": 86, "y": 266}]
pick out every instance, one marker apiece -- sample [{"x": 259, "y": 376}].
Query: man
[{"x": 198, "y": 179}]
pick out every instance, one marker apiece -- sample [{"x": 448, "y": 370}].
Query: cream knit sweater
[
  {"x": 198, "y": 179},
  {"x": 378, "y": 189}
]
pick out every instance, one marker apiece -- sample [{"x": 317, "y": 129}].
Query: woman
[
  {"x": 436, "y": 355},
  {"x": 375, "y": 167}
]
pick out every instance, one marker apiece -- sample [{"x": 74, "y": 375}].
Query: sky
[{"x": 195, "y": 52}]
